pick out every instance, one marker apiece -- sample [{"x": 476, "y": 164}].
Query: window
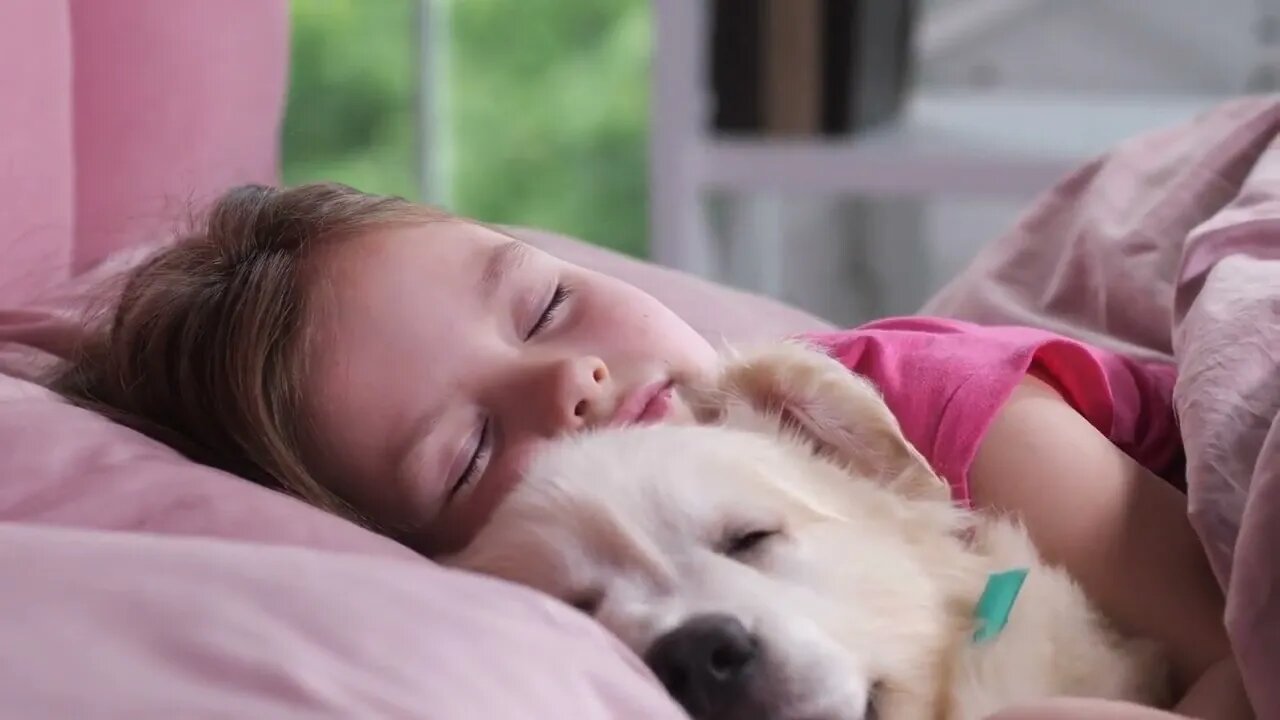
[{"x": 541, "y": 108}]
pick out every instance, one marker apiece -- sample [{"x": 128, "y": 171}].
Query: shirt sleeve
[{"x": 945, "y": 380}]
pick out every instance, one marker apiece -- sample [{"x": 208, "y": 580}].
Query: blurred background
[{"x": 847, "y": 156}]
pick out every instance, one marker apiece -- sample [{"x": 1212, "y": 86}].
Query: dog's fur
[{"x": 862, "y": 602}]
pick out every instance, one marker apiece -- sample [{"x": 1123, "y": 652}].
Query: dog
[{"x": 793, "y": 557}]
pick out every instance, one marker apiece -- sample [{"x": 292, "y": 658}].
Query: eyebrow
[{"x": 502, "y": 261}]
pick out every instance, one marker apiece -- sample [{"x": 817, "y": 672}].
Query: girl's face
[{"x": 444, "y": 355}]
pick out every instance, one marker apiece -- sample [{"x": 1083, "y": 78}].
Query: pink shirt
[{"x": 945, "y": 380}]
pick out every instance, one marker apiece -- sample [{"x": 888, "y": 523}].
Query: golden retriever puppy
[{"x": 794, "y": 558}]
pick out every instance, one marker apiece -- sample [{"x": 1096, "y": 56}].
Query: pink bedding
[
  {"x": 1169, "y": 246},
  {"x": 140, "y": 584},
  {"x": 125, "y": 625}
]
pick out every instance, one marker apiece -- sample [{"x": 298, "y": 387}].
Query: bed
[{"x": 139, "y": 584}]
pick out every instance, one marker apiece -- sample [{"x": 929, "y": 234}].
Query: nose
[
  {"x": 705, "y": 662},
  {"x": 577, "y": 398}
]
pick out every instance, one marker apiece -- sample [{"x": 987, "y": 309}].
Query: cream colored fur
[{"x": 863, "y": 602}]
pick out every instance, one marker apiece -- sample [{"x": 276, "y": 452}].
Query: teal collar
[{"x": 996, "y": 602}]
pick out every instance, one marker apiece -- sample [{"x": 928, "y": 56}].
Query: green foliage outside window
[{"x": 548, "y": 103}]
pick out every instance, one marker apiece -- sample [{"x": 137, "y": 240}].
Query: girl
[{"x": 387, "y": 362}]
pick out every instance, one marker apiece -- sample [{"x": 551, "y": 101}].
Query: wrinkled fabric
[
  {"x": 946, "y": 380},
  {"x": 146, "y": 626},
  {"x": 1167, "y": 248}
]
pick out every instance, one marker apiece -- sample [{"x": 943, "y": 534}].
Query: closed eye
[
  {"x": 558, "y": 298},
  {"x": 587, "y": 604},
  {"x": 739, "y": 544},
  {"x": 475, "y": 465}
]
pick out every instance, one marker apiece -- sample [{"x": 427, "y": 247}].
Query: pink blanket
[{"x": 1169, "y": 246}]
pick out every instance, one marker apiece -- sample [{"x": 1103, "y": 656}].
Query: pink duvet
[{"x": 1169, "y": 246}]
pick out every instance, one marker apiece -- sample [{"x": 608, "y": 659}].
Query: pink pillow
[
  {"x": 66, "y": 466},
  {"x": 125, "y": 625}
]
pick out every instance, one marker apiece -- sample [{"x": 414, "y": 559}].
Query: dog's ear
[{"x": 797, "y": 389}]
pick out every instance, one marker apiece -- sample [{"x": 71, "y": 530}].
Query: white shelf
[
  {"x": 994, "y": 144},
  {"x": 997, "y": 143}
]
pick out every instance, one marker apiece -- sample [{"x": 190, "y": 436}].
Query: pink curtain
[{"x": 116, "y": 117}]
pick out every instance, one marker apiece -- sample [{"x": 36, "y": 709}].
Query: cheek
[
  {"x": 801, "y": 622},
  {"x": 643, "y": 317},
  {"x": 638, "y": 618},
  {"x": 872, "y": 596},
  {"x": 460, "y": 527},
  {"x": 629, "y": 312}
]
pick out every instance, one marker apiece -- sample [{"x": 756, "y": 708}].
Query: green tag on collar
[{"x": 992, "y": 612}]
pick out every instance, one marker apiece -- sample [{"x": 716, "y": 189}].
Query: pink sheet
[{"x": 1169, "y": 246}]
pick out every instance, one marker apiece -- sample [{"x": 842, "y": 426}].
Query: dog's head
[{"x": 757, "y": 573}]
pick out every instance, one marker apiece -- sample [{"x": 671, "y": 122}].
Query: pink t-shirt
[{"x": 945, "y": 380}]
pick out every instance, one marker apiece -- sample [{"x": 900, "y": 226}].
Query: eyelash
[
  {"x": 558, "y": 298},
  {"x": 481, "y": 453}
]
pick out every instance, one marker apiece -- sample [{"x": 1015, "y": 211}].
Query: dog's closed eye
[
  {"x": 587, "y": 603},
  {"x": 740, "y": 544}
]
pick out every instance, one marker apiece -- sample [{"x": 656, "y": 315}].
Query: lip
[{"x": 649, "y": 404}]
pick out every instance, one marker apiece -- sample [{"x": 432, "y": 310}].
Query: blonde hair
[{"x": 204, "y": 348}]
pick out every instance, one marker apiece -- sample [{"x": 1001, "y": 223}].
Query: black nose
[{"x": 705, "y": 662}]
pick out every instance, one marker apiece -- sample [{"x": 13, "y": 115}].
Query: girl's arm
[
  {"x": 1122, "y": 532},
  {"x": 1082, "y": 708}
]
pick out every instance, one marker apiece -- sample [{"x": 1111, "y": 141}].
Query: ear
[{"x": 791, "y": 387}]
